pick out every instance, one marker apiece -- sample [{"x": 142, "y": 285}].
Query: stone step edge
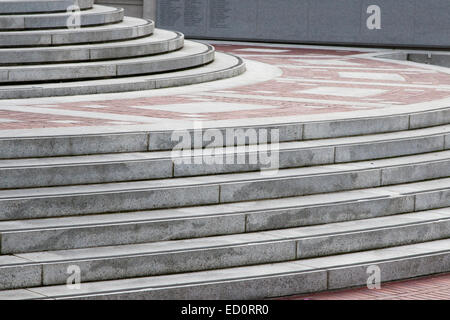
[
  {"x": 367, "y": 196},
  {"x": 98, "y": 52},
  {"x": 54, "y": 37},
  {"x": 282, "y": 146},
  {"x": 60, "y": 201},
  {"x": 53, "y": 268},
  {"x": 50, "y": 6},
  {"x": 158, "y": 140},
  {"x": 174, "y": 78},
  {"x": 186, "y": 58},
  {"x": 433, "y": 158},
  {"x": 402, "y": 262},
  {"x": 223, "y": 179},
  {"x": 88, "y": 17},
  {"x": 288, "y": 235}
]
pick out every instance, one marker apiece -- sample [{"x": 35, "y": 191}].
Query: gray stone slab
[
  {"x": 166, "y": 140},
  {"x": 295, "y": 186},
  {"x": 224, "y": 66},
  {"x": 72, "y": 145},
  {"x": 252, "y": 161},
  {"x": 401, "y": 22},
  {"x": 171, "y": 262},
  {"x": 247, "y": 288},
  {"x": 432, "y": 22},
  {"x": 39, "y": 6},
  {"x": 415, "y": 172},
  {"x": 433, "y": 199},
  {"x": 119, "y": 234},
  {"x": 129, "y": 200},
  {"x": 352, "y": 127},
  {"x": 385, "y": 149},
  {"x": 20, "y": 276},
  {"x": 96, "y": 16},
  {"x": 331, "y": 213},
  {"x": 429, "y": 118},
  {"x": 397, "y": 22},
  {"x": 372, "y": 239},
  {"x": 391, "y": 270},
  {"x": 20, "y": 294},
  {"x": 86, "y": 173},
  {"x": 128, "y": 29}
]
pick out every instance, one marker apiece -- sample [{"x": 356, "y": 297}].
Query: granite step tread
[
  {"x": 223, "y": 66},
  {"x": 306, "y": 233},
  {"x": 40, "y": 6},
  {"x": 29, "y": 144},
  {"x": 129, "y": 28},
  {"x": 97, "y": 15},
  {"x": 225, "y": 179},
  {"x": 60, "y": 171},
  {"x": 282, "y": 146},
  {"x": 181, "y": 192},
  {"x": 193, "y": 54},
  {"x": 265, "y": 280},
  {"x": 193, "y": 222},
  {"x": 161, "y": 41},
  {"x": 108, "y": 263}
]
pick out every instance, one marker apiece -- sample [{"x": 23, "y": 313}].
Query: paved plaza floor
[{"x": 282, "y": 84}]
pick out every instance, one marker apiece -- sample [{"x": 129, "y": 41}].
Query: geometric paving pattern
[{"x": 314, "y": 81}]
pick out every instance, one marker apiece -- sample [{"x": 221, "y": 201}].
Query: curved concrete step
[
  {"x": 161, "y": 41},
  {"x": 88, "y": 144},
  {"x": 21, "y": 236},
  {"x": 181, "y": 192},
  {"x": 60, "y": 171},
  {"x": 129, "y": 28},
  {"x": 162, "y": 258},
  {"x": 98, "y": 15},
  {"x": 262, "y": 281},
  {"x": 193, "y": 54},
  {"x": 40, "y": 6},
  {"x": 224, "y": 66}
]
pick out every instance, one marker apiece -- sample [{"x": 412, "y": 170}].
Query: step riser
[
  {"x": 17, "y": 7},
  {"x": 61, "y": 175},
  {"x": 108, "y": 202},
  {"x": 72, "y": 145},
  {"x": 99, "y": 269},
  {"x": 81, "y": 36},
  {"x": 60, "y": 21},
  {"x": 103, "y": 70},
  {"x": 287, "y": 284},
  {"x": 23, "y": 241},
  {"x": 77, "y": 88},
  {"x": 200, "y": 194},
  {"x": 86, "y": 54},
  {"x": 161, "y": 141}
]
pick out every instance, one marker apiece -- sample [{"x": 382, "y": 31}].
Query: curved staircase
[
  {"x": 47, "y": 48},
  {"x": 140, "y": 224}
]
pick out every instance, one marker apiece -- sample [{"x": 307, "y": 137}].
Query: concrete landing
[{"x": 282, "y": 84}]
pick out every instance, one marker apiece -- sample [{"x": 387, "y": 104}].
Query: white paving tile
[
  {"x": 372, "y": 76},
  {"x": 205, "y": 107},
  {"x": 262, "y": 50},
  {"x": 65, "y": 121},
  {"x": 7, "y": 120},
  {"x": 92, "y": 106},
  {"x": 330, "y": 62},
  {"x": 343, "y": 92}
]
